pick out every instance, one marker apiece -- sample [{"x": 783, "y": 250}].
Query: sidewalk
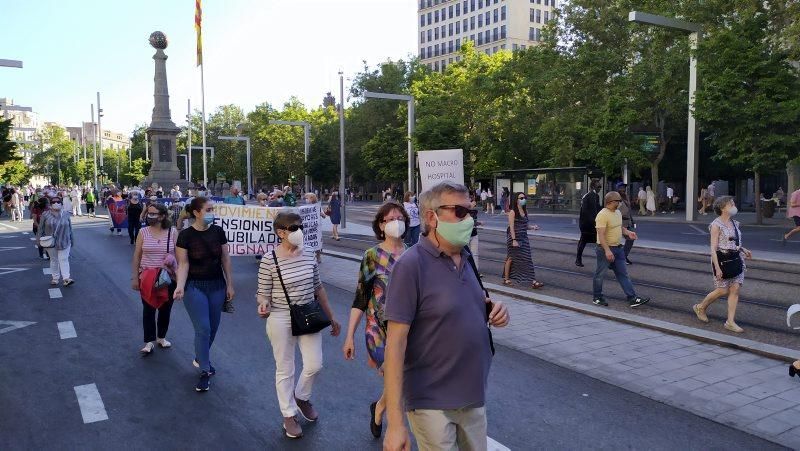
[{"x": 737, "y": 388}]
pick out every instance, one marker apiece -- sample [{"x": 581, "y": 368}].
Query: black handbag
[
  {"x": 488, "y": 305},
  {"x": 730, "y": 261},
  {"x": 306, "y": 318}
]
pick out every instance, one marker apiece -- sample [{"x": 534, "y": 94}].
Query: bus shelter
[{"x": 549, "y": 189}]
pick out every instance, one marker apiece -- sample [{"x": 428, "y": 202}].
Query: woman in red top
[
  {"x": 155, "y": 248},
  {"x": 41, "y": 205}
]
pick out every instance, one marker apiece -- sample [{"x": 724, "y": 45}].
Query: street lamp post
[
  {"x": 695, "y": 32},
  {"x": 306, "y": 143},
  {"x": 94, "y": 146},
  {"x": 246, "y": 139},
  {"x": 342, "y": 197},
  {"x": 11, "y": 63},
  {"x": 189, "y": 139},
  {"x": 99, "y": 128},
  {"x": 410, "y": 100}
]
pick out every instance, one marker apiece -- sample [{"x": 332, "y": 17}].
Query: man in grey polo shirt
[{"x": 438, "y": 349}]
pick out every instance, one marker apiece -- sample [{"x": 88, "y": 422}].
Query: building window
[
  {"x": 480, "y": 20},
  {"x": 430, "y": 51},
  {"x": 531, "y": 33},
  {"x": 495, "y": 34},
  {"x": 523, "y": 46},
  {"x": 487, "y": 37},
  {"x": 444, "y": 14},
  {"x": 472, "y": 23},
  {"x": 546, "y": 2},
  {"x": 436, "y": 50},
  {"x": 421, "y": 4},
  {"x": 458, "y": 27},
  {"x": 546, "y": 16},
  {"x": 514, "y": 47},
  {"x": 480, "y": 4},
  {"x": 533, "y": 15},
  {"x": 503, "y": 12},
  {"x": 436, "y": 66},
  {"x": 449, "y": 60},
  {"x": 422, "y": 53},
  {"x": 450, "y": 47},
  {"x": 472, "y": 5},
  {"x": 472, "y": 37},
  {"x": 436, "y": 16},
  {"x": 458, "y": 9},
  {"x": 430, "y": 35},
  {"x": 488, "y": 18},
  {"x": 422, "y": 20},
  {"x": 503, "y": 47},
  {"x": 422, "y": 37},
  {"x": 553, "y": 3},
  {"x": 458, "y": 45},
  {"x": 503, "y": 32},
  {"x": 429, "y": 21},
  {"x": 444, "y": 65},
  {"x": 444, "y": 31},
  {"x": 466, "y": 4},
  {"x": 450, "y": 29},
  {"x": 538, "y": 16},
  {"x": 436, "y": 33},
  {"x": 496, "y": 15},
  {"x": 480, "y": 38},
  {"x": 450, "y": 11}
]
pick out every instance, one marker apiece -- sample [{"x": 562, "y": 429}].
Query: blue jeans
[
  {"x": 203, "y": 300},
  {"x": 412, "y": 236},
  {"x": 620, "y": 271}
]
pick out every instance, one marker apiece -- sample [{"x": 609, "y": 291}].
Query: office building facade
[{"x": 493, "y": 25}]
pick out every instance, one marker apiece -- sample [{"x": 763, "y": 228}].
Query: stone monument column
[{"x": 162, "y": 131}]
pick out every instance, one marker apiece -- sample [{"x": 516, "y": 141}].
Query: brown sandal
[
  {"x": 536, "y": 285},
  {"x": 508, "y": 282}
]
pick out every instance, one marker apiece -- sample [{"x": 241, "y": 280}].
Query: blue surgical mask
[
  {"x": 208, "y": 219},
  {"x": 522, "y": 202}
]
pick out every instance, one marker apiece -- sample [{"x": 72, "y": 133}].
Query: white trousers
[
  {"x": 279, "y": 332},
  {"x": 59, "y": 262},
  {"x": 16, "y": 213},
  {"x": 76, "y": 208}
]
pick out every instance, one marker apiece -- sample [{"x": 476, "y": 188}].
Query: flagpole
[{"x": 203, "y": 122}]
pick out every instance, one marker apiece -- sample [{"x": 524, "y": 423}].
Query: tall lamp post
[
  {"x": 695, "y": 32},
  {"x": 342, "y": 197},
  {"x": 246, "y": 139},
  {"x": 306, "y": 143},
  {"x": 410, "y": 100}
]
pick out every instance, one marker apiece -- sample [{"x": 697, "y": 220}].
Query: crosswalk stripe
[
  {"x": 55, "y": 293},
  {"x": 66, "y": 330},
  {"x": 91, "y": 404}
]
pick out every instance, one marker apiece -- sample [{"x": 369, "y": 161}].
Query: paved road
[
  {"x": 674, "y": 281},
  {"x": 150, "y": 403}
]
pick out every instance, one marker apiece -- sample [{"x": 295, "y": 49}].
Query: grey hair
[
  {"x": 720, "y": 203},
  {"x": 432, "y": 199}
]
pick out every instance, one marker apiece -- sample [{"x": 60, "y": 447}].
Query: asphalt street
[
  {"x": 150, "y": 403},
  {"x": 675, "y": 281}
]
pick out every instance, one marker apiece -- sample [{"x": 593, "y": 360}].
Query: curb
[{"x": 743, "y": 344}]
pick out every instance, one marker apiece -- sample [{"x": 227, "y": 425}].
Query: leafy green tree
[
  {"x": 15, "y": 172},
  {"x": 7, "y": 147}
]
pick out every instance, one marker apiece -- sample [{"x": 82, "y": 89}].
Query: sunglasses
[
  {"x": 460, "y": 211},
  {"x": 294, "y": 227}
]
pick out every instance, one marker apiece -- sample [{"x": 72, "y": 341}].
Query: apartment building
[
  {"x": 493, "y": 25},
  {"x": 86, "y": 135}
]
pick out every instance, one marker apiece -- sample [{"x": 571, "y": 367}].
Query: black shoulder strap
[
  {"x": 280, "y": 277},
  {"x": 169, "y": 237},
  {"x": 471, "y": 261},
  {"x": 736, "y": 231}
]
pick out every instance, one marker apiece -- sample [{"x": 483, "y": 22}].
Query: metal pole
[
  {"x": 203, "y": 122},
  {"x": 693, "y": 133},
  {"x": 189, "y": 139},
  {"x": 94, "y": 146},
  {"x": 410, "y": 145},
  {"x": 99, "y": 128},
  {"x": 249, "y": 170},
  {"x": 146, "y": 147},
  {"x": 342, "y": 196},
  {"x": 118, "y": 168},
  {"x": 306, "y": 147}
]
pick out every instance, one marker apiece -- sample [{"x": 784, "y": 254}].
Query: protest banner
[
  {"x": 250, "y": 229},
  {"x": 117, "y": 213},
  {"x": 436, "y": 166}
]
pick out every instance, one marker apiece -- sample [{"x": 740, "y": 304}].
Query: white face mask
[
  {"x": 395, "y": 228},
  {"x": 732, "y": 211},
  {"x": 295, "y": 238}
]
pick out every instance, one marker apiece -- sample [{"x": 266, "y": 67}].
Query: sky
[{"x": 254, "y": 51}]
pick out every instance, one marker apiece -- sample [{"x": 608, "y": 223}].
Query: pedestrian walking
[
  {"x": 483, "y": 200},
  {"x": 390, "y": 225},
  {"x": 642, "y": 198},
  {"x": 55, "y": 235},
  {"x": 504, "y": 199},
  {"x": 90, "y": 199},
  {"x": 670, "y": 199},
  {"x": 727, "y": 262},
  {"x": 290, "y": 278},
  {"x": 590, "y": 206},
  {"x": 205, "y": 281},
  {"x": 154, "y": 253},
  {"x": 610, "y": 252},
  {"x": 16, "y": 205},
  {"x": 410, "y": 205},
  {"x": 234, "y": 198},
  {"x": 489, "y": 201},
  {"x": 335, "y": 213},
  {"x": 793, "y": 212},
  {"x": 75, "y": 198},
  {"x": 627, "y": 219},
  {"x": 651, "y": 201},
  {"x": 134, "y": 211},
  {"x": 438, "y": 348},
  {"x": 518, "y": 266},
  {"x": 38, "y": 207}
]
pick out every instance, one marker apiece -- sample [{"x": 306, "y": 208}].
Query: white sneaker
[
  {"x": 148, "y": 348},
  {"x": 164, "y": 343}
]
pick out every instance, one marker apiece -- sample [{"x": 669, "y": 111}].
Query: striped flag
[{"x": 198, "y": 20}]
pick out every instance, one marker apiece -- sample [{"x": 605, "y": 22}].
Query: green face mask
[{"x": 456, "y": 233}]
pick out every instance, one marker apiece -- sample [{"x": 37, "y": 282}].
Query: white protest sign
[
  {"x": 436, "y": 166},
  {"x": 250, "y": 229}
]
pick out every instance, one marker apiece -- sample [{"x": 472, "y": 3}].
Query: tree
[
  {"x": 749, "y": 99},
  {"x": 7, "y": 147},
  {"x": 15, "y": 172}
]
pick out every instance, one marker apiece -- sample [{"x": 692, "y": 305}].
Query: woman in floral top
[{"x": 390, "y": 225}]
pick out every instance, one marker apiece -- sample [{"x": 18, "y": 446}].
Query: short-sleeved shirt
[
  {"x": 300, "y": 275},
  {"x": 204, "y": 250},
  {"x": 795, "y": 199},
  {"x": 448, "y": 356},
  {"x": 235, "y": 200},
  {"x": 612, "y": 222}
]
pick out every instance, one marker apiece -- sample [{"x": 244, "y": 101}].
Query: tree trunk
[{"x": 759, "y": 217}]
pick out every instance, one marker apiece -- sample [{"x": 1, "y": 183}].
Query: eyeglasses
[
  {"x": 460, "y": 210},
  {"x": 293, "y": 227},
  {"x": 394, "y": 219}
]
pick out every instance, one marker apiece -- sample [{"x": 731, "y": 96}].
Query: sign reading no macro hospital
[
  {"x": 436, "y": 166},
  {"x": 250, "y": 230}
]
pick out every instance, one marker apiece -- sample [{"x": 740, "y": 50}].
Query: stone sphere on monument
[{"x": 158, "y": 40}]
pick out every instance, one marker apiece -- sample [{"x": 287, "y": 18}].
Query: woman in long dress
[
  {"x": 651, "y": 201},
  {"x": 335, "y": 212},
  {"x": 519, "y": 263}
]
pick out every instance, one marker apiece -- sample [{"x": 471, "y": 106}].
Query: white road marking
[
  {"x": 494, "y": 445},
  {"x": 788, "y": 241},
  {"x": 698, "y": 229},
  {"x": 26, "y": 233},
  {"x": 10, "y": 248},
  {"x": 55, "y": 293},
  {"x": 66, "y": 330},
  {"x": 9, "y": 226},
  {"x": 11, "y": 270},
  {"x": 14, "y": 325},
  {"x": 91, "y": 404},
  {"x": 47, "y": 271},
  {"x": 33, "y": 238}
]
